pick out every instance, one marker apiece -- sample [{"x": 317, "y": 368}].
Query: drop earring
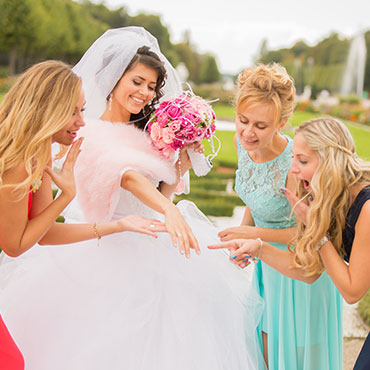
[{"x": 110, "y": 101}]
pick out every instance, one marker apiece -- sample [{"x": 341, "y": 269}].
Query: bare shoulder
[
  {"x": 365, "y": 211},
  {"x": 15, "y": 175}
]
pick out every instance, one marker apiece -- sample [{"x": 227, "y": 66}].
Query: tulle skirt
[{"x": 132, "y": 302}]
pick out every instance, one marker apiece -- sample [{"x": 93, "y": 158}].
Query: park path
[{"x": 354, "y": 329}]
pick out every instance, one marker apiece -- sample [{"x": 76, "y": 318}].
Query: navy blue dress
[{"x": 363, "y": 360}]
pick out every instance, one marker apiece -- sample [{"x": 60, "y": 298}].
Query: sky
[{"x": 233, "y": 30}]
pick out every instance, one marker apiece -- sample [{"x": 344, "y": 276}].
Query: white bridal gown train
[{"x": 131, "y": 302}]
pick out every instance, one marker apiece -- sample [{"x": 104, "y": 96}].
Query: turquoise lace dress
[{"x": 303, "y": 322}]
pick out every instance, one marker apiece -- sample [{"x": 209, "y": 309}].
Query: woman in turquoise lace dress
[{"x": 301, "y": 327}]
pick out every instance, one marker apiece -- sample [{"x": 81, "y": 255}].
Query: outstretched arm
[
  {"x": 17, "y": 233},
  {"x": 61, "y": 233},
  {"x": 282, "y": 236},
  {"x": 247, "y": 230},
  {"x": 177, "y": 227},
  {"x": 241, "y": 250}
]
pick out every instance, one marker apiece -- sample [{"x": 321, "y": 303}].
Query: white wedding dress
[{"x": 131, "y": 302}]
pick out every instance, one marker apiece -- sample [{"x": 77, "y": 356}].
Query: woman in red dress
[{"x": 45, "y": 105}]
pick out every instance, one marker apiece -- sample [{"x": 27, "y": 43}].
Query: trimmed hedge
[
  {"x": 204, "y": 184},
  {"x": 197, "y": 195},
  {"x": 213, "y": 175}
]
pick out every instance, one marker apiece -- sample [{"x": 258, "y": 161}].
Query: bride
[{"x": 125, "y": 301}]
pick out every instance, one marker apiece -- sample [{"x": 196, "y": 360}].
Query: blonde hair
[
  {"x": 40, "y": 103},
  {"x": 267, "y": 84},
  {"x": 338, "y": 170}
]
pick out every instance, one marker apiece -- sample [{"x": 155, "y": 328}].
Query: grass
[
  {"x": 224, "y": 111},
  {"x": 227, "y": 151},
  {"x": 364, "y": 308}
]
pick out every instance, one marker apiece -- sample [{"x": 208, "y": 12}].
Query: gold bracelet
[{"x": 95, "y": 228}]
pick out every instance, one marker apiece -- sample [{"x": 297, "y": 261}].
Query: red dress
[{"x": 10, "y": 356}]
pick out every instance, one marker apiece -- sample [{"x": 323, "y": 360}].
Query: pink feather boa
[{"x": 107, "y": 149}]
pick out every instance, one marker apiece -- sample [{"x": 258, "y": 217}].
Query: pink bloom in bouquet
[{"x": 181, "y": 121}]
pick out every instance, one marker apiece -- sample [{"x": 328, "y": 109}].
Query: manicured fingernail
[
  {"x": 248, "y": 256},
  {"x": 310, "y": 198},
  {"x": 234, "y": 256},
  {"x": 282, "y": 191}
]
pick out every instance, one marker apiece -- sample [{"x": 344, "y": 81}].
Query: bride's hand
[
  {"x": 180, "y": 232},
  {"x": 141, "y": 224}
]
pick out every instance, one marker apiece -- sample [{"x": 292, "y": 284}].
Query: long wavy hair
[
  {"x": 149, "y": 58},
  {"x": 267, "y": 84},
  {"x": 339, "y": 169},
  {"x": 40, "y": 103}
]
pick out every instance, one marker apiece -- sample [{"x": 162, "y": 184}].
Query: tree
[
  {"x": 112, "y": 18},
  {"x": 190, "y": 58},
  {"x": 208, "y": 70},
  {"x": 17, "y": 29},
  {"x": 152, "y": 23}
]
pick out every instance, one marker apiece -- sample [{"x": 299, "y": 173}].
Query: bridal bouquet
[{"x": 181, "y": 121}]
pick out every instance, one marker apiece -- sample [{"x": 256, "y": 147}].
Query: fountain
[{"x": 353, "y": 81}]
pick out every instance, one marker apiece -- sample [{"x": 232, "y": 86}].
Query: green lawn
[{"x": 224, "y": 112}]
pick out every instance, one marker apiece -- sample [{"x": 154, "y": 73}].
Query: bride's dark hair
[{"x": 147, "y": 57}]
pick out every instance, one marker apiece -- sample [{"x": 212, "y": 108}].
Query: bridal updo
[{"x": 265, "y": 84}]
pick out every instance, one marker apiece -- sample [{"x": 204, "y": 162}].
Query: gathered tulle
[{"x": 132, "y": 302}]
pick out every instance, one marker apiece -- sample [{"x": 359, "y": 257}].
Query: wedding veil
[{"x": 104, "y": 62}]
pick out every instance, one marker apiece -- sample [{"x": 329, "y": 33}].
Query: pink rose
[
  {"x": 193, "y": 117},
  {"x": 163, "y": 105},
  {"x": 199, "y": 133},
  {"x": 189, "y": 132},
  {"x": 156, "y": 132},
  {"x": 175, "y": 125},
  {"x": 162, "y": 119},
  {"x": 174, "y": 112},
  {"x": 167, "y": 135},
  {"x": 177, "y": 143},
  {"x": 181, "y": 99}
]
